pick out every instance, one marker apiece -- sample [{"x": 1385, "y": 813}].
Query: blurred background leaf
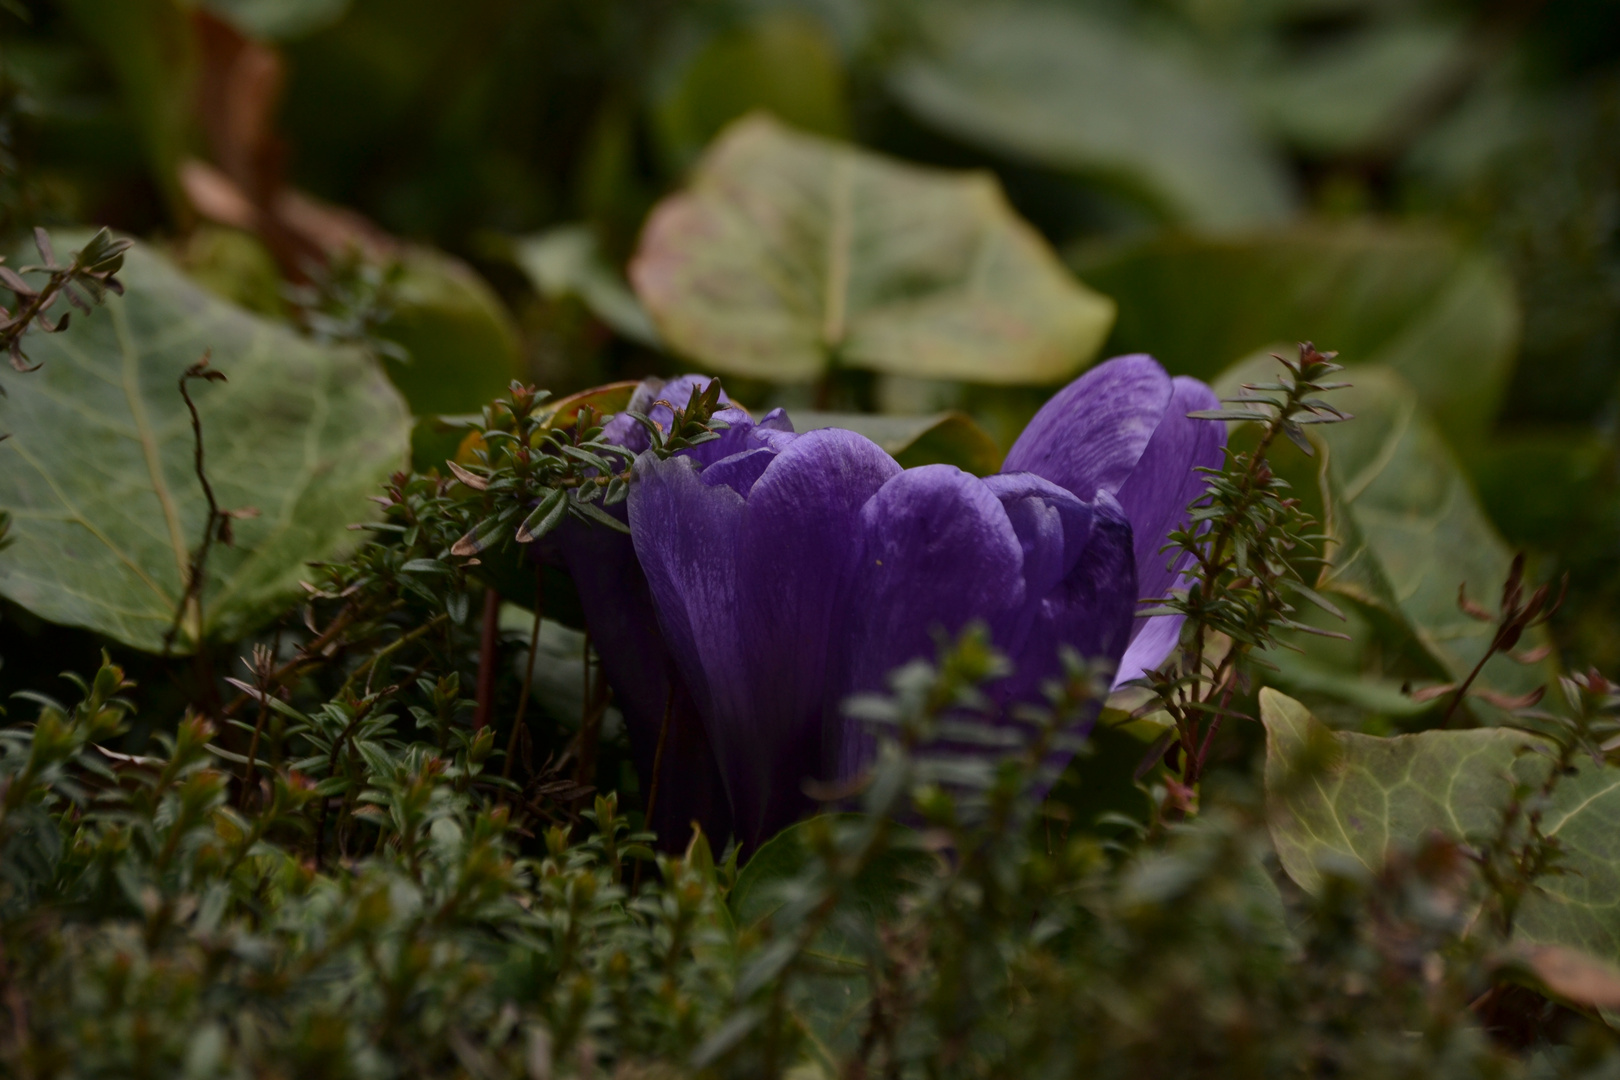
[
  {"x": 461, "y": 347},
  {"x": 1067, "y": 89},
  {"x": 950, "y": 438},
  {"x": 1442, "y": 315},
  {"x": 789, "y": 255}
]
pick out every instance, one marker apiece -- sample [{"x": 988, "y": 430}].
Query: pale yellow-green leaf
[{"x": 788, "y": 253}]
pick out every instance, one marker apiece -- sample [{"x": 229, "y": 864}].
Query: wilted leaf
[
  {"x": 462, "y": 343},
  {"x": 1358, "y": 799},
  {"x": 1069, "y": 90},
  {"x": 948, "y": 438},
  {"x": 789, "y": 254},
  {"x": 1571, "y": 974},
  {"x": 1407, "y": 531},
  {"x": 98, "y": 478},
  {"x": 1442, "y": 315},
  {"x": 782, "y": 63},
  {"x": 566, "y": 261}
]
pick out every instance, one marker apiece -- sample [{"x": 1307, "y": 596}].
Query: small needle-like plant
[{"x": 1240, "y": 554}]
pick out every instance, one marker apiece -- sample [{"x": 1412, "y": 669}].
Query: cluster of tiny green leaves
[
  {"x": 153, "y": 925},
  {"x": 534, "y": 474}
]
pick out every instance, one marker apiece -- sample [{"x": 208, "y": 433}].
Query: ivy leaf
[
  {"x": 1369, "y": 797},
  {"x": 947, "y": 438},
  {"x": 98, "y": 476},
  {"x": 1406, "y": 530},
  {"x": 1069, "y": 90},
  {"x": 789, "y": 254},
  {"x": 1441, "y": 314}
]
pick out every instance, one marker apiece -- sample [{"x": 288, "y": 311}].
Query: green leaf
[
  {"x": 1406, "y": 531},
  {"x": 1359, "y": 89},
  {"x": 789, "y": 254},
  {"x": 463, "y": 346},
  {"x": 948, "y": 438},
  {"x": 1345, "y": 800},
  {"x": 782, "y": 63},
  {"x": 98, "y": 474},
  {"x": 1441, "y": 314},
  {"x": 567, "y": 261},
  {"x": 1069, "y": 90}
]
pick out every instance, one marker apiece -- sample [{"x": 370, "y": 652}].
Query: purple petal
[
  {"x": 1088, "y": 605},
  {"x": 623, "y": 430},
  {"x": 1053, "y": 526},
  {"x": 624, "y": 628},
  {"x": 1155, "y": 498},
  {"x": 937, "y": 551},
  {"x": 1089, "y": 437},
  {"x": 739, "y": 472},
  {"x": 1152, "y": 640},
  {"x": 749, "y": 594},
  {"x": 1091, "y": 610}
]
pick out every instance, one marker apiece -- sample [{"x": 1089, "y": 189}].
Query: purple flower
[
  {"x": 800, "y": 569},
  {"x": 619, "y": 614},
  {"x": 1122, "y": 428},
  {"x": 790, "y": 571}
]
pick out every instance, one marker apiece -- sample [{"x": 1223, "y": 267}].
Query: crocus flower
[
  {"x": 790, "y": 571},
  {"x": 619, "y": 614},
  {"x": 1122, "y": 428},
  {"x": 800, "y": 569}
]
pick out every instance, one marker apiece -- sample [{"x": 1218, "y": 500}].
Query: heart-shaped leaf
[
  {"x": 1062, "y": 88},
  {"x": 98, "y": 474},
  {"x": 1370, "y": 797},
  {"x": 790, "y": 253},
  {"x": 1441, "y": 314}
]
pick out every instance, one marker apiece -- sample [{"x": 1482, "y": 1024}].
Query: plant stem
[
  {"x": 489, "y": 643},
  {"x": 528, "y": 675}
]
